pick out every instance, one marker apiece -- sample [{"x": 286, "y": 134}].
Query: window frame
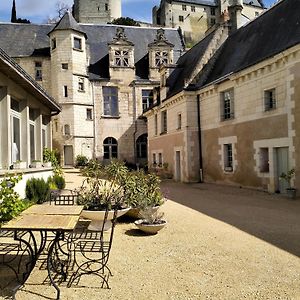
[
  {"x": 108, "y": 101},
  {"x": 89, "y": 114},
  {"x": 110, "y": 144},
  {"x": 193, "y": 8},
  {"x": 147, "y": 100},
  {"x": 122, "y": 58},
  {"x": 164, "y": 122},
  {"x": 16, "y": 114},
  {"x": 270, "y": 103},
  {"x": 81, "y": 84},
  {"x": 161, "y": 57},
  {"x": 38, "y": 69},
  {"x": 181, "y": 18},
  {"x": 179, "y": 121},
  {"x": 184, "y": 7},
  {"x": 228, "y": 157},
  {"x": 227, "y": 105},
  {"x": 77, "y": 43}
]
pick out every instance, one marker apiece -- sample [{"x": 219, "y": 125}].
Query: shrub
[
  {"x": 37, "y": 190},
  {"x": 10, "y": 203},
  {"x": 59, "y": 181},
  {"x": 81, "y": 161}
]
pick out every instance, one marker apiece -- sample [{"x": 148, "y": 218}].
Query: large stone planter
[
  {"x": 291, "y": 193},
  {"x": 150, "y": 228},
  {"x": 97, "y": 218}
]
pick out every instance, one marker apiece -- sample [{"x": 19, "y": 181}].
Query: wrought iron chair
[
  {"x": 14, "y": 248},
  {"x": 91, "y": 251},
  {"x": 57, "y": 198}
]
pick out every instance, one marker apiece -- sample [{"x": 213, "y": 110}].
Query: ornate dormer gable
[
  {"x": 121, "y": 51},
  {"x": 160, "y": 53}
]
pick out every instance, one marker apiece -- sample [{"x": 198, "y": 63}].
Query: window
[
  {"x": 155, "y": 125},
  {"x": 161, "y": 58},
  {"x": 193, "y": 8},
  {"x": 228, "y": 166},
  {"x": 67, "y": 129},
  {"x": 81, "y": 84},
  {"x": 184, "y": 7},
  {"x": 179, "y": 121},
  {"x": 164, "y": 122},
  {"x": 264, "y": 160},
  {"x": 110, "y": 148},
  {"x": 65, "y": 91},
  {"x": 227, "y": 105},
  {"x": 77, "y": 43},
  {"x": 154, "y": 158},
  {"x": 212, "y": 11},
  {"x": 256, "y": 14},
  {"x": 122, "y": 58},
  {"x": 160, "y": 159},
  {"x": 110, "y": 101},
  {"x": 106, "y": 7},
  {"x": 181, "y": 19},
  {"x": 65, "y": 66},
  {"x": 89, "y": 114},
  {"x": 38, "y": 71},
  {"x": 212, "y": 21},
  {"x": 32, "y": 141},
  {"x": 16, "y": 129},
  {"x": 141, "y": 146},
  {"x": 270, "y": 100},
  {"x": 32, "y": 115},
  {"x": 53, "y": 43},
  {"x": 147, "y": 99}
]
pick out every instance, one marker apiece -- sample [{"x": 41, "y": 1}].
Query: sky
[{"x": 38, "y": 11}]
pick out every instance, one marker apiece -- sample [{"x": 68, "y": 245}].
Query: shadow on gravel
[
  {"x": 136, "y": 232},
  {"x": 272, "y": 218}
]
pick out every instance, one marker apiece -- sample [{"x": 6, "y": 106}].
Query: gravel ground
[{"x": 220, "y": 243}]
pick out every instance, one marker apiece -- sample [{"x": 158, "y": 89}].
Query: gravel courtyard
[{"x": 220, "y": 243}]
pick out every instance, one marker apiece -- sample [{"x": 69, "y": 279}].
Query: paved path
[{"x": 220, "y": 243}]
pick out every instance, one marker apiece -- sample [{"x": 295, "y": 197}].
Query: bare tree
[{"x": 60, "y": 9}]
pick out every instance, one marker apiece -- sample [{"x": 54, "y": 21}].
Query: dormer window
[
  {"x": 122, "y": 58},
  {"x": 161, "y": 58}
]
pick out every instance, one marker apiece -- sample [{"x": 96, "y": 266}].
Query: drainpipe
[
  {"x": 135, "y": 122},
  {"x": 94, "y": 120},
  {"x": 199, "y": 141}
]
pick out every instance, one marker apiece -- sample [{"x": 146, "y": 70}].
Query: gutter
[{"x": 199, "y": 141}]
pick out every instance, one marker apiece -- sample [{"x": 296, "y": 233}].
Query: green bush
[
  {"x": 59, "y": 181},
  {"x": 81, "y": 161},
  {"x": 10, "y": 203},
  {"x": 37, "y": 190}
]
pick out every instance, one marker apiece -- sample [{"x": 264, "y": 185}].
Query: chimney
[
  {"x": 235, "y": 14},
  {"x": 13, "y": 13}
]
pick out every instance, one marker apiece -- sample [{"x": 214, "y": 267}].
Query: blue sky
[{"x": 38, "y": 10}]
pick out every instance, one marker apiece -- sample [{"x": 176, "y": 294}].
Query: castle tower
[
  {"x": 96, "y": 11},
  {"x": 73, "y": 129}
]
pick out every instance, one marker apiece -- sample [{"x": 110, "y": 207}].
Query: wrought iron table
[{"x": 43, "y": 219}]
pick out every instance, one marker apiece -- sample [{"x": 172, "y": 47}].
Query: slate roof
[
  {"x": 186, "y": 64},
  {"x": 20, "y": 40},
  {"x": 258, "y": 3},
  {"x": 68, "y": 22},
  {"x": 9, "y": 67},
  {"x": 271, "y": 33}
]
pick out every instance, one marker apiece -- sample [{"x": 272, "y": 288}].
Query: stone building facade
[
  {"x": 26, "y": 111},
  {"x": 195, "y": 17},
  {"x": 97, "y": 11},
  {"x": 101, "y": 75},
  {"x": 234, "y": 119}
]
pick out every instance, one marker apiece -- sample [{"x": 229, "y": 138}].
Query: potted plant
[
  {"x": 102, "y": 193},
  {"x": 151, "y": 221},
  {"x": 36, "y": 164},
  {"x": 19, "y": 164},
  {"x": 288, "y": 177},
  {"x": 142, "y": 191}
]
